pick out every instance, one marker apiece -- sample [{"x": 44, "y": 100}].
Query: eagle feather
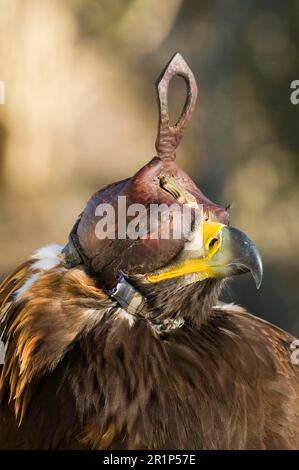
[{"x": 78, "y": 374}]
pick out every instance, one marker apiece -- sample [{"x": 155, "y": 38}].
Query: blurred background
[{"x": 81, "y": 112}]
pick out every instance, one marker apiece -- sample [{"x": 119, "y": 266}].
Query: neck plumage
[{"x": 173, "y": 300}]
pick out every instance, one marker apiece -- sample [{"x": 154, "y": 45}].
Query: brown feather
[{"x": 78, "y": 375}]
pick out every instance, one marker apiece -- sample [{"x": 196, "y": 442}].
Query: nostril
[{"x": 212, "y": 242}]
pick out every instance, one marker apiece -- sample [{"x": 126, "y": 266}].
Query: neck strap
[
  {"x": 127, "y": 297},
  {"x": 135, "y": 304}
]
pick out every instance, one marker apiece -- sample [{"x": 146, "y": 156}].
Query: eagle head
[{"x": 117, "y": 234}]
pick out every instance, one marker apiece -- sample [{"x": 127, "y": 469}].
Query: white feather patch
[
  {"x": 27, "y": 284},
  {"x": 123, "y": 315},
  {"x": 47, "y": 257},
  {"x": 229, "y": 308}
]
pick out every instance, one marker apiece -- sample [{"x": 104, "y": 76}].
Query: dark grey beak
[{"x": 240, "y": 253}]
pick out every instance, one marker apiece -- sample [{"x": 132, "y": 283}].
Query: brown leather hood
[{"x": 142, "y": 255}]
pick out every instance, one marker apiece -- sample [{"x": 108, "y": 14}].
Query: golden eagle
[{"x": 122, "y": 343}]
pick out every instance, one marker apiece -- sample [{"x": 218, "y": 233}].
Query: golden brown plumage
[{"x": 79, "y": 374}]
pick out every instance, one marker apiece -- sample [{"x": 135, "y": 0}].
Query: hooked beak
[{"x": 223, "y": 252}]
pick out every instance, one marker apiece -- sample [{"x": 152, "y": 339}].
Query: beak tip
[{"x": 245, "y": 255}]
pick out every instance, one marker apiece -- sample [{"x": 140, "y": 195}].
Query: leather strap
[
  {"x": 127, "y": 297},
  {"x": 73, "y": 253}
]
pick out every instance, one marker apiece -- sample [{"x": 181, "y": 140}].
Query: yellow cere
[{"x": 211, "y": 233}]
